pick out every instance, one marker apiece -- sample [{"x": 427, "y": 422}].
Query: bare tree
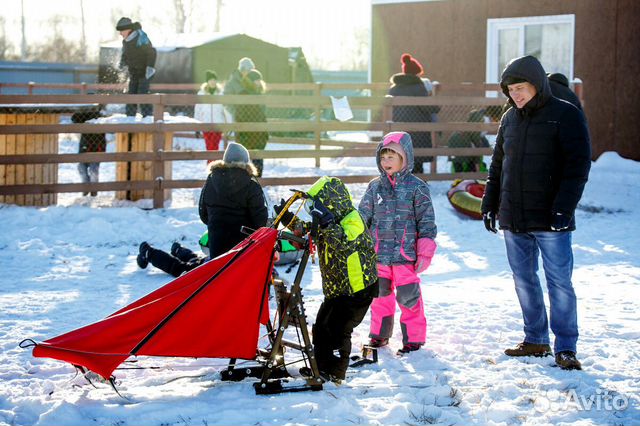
[
  {"x": 4, "y": 43},
  {"x": 23, "y": 44},
  {"x": 219, "y": 4},
  {"x": 57, "y": 48},
  {"x": 360, "y": 53},
  {"x": 83, "y": 37},
  {"x": 184, "y": 10}
]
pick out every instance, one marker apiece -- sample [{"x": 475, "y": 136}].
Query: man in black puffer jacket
[
  {"x": 231, "y": 198},
  {"x": 539, "y": 168}
]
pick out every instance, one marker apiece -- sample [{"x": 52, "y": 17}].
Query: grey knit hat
[
  {"x": 246, "y": 64},
  {"x": 235, "y": 153}
]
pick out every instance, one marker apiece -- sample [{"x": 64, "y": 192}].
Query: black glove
[
  {"x": 560, "y": 221},
  {"x": 287, "y": 217},
  {"x": 320, "y": 212},
  {"x": 489, "y": 219},
  {"x": 198, "y": 134}
]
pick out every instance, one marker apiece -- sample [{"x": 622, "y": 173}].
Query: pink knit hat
[{"x": 392, "y": 141}]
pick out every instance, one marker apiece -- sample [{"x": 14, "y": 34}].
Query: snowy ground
[{"x": 65, "y": 266}]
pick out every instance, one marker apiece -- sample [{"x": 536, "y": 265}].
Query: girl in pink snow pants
[{"x": 397, "y": 207}]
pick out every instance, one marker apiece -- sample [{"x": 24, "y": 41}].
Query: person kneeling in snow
[{"x": 348, "y": 270}]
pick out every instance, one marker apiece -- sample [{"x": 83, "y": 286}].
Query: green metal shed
[{"x": 183, "y": 58}]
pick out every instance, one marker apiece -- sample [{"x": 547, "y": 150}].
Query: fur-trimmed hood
[{"x": 220, "y": 164}]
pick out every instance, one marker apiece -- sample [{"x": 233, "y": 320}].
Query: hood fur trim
[{"x": 220, "y": 164}]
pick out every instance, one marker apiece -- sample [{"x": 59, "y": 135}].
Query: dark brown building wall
[{"x": 449, "y": 38}]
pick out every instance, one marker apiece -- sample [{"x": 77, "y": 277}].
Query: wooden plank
[
  {"x": 20, "y": 169},
  {"x": 30, "y": 168},
  {"x": 168, "y": 168},
  {"x": 38, "y": 147},
  {"x": 3, "y": 152},
  {"x": 10, "y": 173},
  {"x": 121, "y": 166},
  {"x": 270, "y": 126},
  {"x": 134, "y": 170},
  {"x": 53, "y": 147}
]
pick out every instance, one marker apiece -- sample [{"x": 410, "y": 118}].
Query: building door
[{"x": 548, "y": 38}]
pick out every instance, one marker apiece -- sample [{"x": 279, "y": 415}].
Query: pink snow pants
[{"x": 399, "y": 283}]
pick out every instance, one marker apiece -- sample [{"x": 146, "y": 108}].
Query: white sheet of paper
[{"x": 341, "y": 108}]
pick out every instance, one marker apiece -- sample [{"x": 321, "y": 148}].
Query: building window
[{"x": 548, "y": 38}]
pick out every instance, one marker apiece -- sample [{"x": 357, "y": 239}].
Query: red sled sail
[{"x": 214, "y": 311}]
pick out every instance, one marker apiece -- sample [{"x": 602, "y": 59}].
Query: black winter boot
[{"x": 143, "y": 255}]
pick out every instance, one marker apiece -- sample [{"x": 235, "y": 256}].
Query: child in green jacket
[{"x": 348, "y": 269}]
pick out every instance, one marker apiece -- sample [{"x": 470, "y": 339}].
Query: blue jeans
[{"x": 557, "y": 261}]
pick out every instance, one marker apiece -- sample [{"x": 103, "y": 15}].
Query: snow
[{"x": 74, "y": 263}]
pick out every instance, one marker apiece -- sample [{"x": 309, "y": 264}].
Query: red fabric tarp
[{"x": 214, "y": 311}]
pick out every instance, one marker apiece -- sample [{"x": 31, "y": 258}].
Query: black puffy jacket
[
  {"x": 138, "y": 53},
  {"x": 231, "y": 198},
  {"x": 412, "y": 85},
  {"x": 542, "y": 156}
]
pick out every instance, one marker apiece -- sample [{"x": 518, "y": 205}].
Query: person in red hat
[{"x": 409, "y": 83}]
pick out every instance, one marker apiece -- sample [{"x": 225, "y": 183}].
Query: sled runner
[{"x": 213, "y": 311}]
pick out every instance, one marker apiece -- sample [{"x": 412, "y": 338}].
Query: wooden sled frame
[{"x": 271, "y": 368}]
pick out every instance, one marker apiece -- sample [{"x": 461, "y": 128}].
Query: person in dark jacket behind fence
[
  {"x": 408, "y": 83},
  {"x": 89, "y": 142},
  {"x": 560, "y": 89},
  {"x": 469, "y": 140},
  {"x": 231, "y": 198},
  {"x": 139, "y": 59},
  {"x": 538, "y": 171}
]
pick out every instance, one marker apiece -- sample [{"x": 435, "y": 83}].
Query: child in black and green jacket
[{"x": 348, "y": 269}]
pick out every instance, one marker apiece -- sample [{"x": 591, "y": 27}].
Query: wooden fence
[{"x": 160, "y": 157}]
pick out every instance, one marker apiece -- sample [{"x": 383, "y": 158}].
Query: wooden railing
[{"x": 316, "y": 126}]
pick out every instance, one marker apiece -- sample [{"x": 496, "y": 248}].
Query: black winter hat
[
  {"x": 210, "y": 74},
  {"x": 509, "y": 80},
  {"x": 125, "y": 23}
]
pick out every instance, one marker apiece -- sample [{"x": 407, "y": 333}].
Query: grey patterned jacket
[{"x": 398, "y": 214}]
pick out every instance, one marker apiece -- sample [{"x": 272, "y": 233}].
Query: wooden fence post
[
  {"x": 317, "y": 92},
  {"x": 577, "y": 89},
  {"x": 158, "y": 148},
  {"x": 387, "y": 114}
]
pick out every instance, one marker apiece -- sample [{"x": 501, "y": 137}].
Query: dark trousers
[
  {"x": 334, "y": 325},
  {"x": 138, "y": 86},
  {"x": 183, "y": 261}
]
